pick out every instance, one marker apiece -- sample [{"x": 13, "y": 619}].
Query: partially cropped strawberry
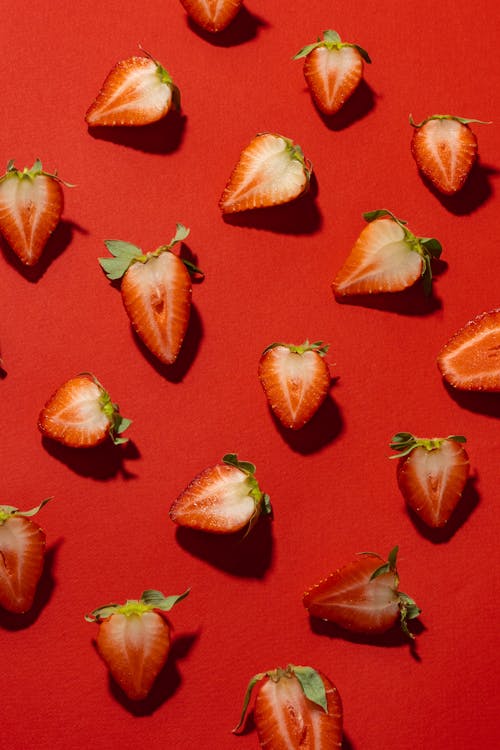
[
  {"x": 363, "y": 596},
  {"x": 222, "y": 499},
  {"x": 156, "y": 292},
  {"x": 271, "y": 170},
  {"x": 80, "y": 414},
  {"x": 386, "y": 257},
  {"x": 432, "y": 474},
  {"x": 212, "y": 15},
  {"x": 31, "y": 204},
  {"x": 333, "y": 70},
  {"x": 470, "y": 360},
  {"x": 22, "y": 551},
  {"x": 445, "y": 149},
  {"x": 295, "y": 379},
  {"x": 134, "y": 640},
  {"x": 137, "y": 91}
]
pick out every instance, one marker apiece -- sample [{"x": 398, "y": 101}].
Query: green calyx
[
  {"x": 30, "y": 174},
  {"x": 9, "y": 511},
  {"x": 118, "y": 424},
  {"x": 261, "y": 499},
  {"x": 331, "y": 40},
  {"x": 404, "y": 443},
  {"x": 309, "y": 679},
  {"x": 427, "y": 247},
  {"x": 317, "y": 346},
  {"x": 463, "y": 120},
  {"x": 165, "y": 78},
  {"x": 149, "y": 601}
]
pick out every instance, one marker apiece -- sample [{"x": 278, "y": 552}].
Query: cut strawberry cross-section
[
  {"x": 470, "y": 360},
  {"x": 212, "y": 15}
]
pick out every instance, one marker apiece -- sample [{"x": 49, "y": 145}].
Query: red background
[{"x": 267, "y": 279}]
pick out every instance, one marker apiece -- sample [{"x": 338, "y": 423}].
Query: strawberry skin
[
  {"x": 470, "y": 360},
  {"x": 363, "y": 596},
  {"x": 31, "y": 205},
  {"x": 271, "y": 170},
  {"x": 137, "y": 91},
  {"x": 295, "y": 380},
  {"x": 432, "y": 474},
  {"x": 222, "y": 499},
  {"x": 80, "y": 414},
  {"x": 333, "y": 70},
  {"x": 386, "y": 257},
  {"x": 212, "y": 15}
]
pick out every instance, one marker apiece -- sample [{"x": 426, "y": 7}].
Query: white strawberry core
[
  {"x": 443, "y": 138},
  {"x": 335, "y": 66},
  {"x": 229, "y": 500},
  {"x": 295, "y": 369}
]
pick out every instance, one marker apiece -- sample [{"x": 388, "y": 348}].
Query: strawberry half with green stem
[
  {"x": 134, "y": 640},
  {"x": 333, "y": 70},
  {"x": 212, "y": 15},
  {"x": 156, "y": 292},
  {"x": 297, "y": 707},
  {"x": 31, "y": 205},
  {"x": 222, "y": 499},
  {"x": 386, "y": 257},
  {"x": 445, "y": 149},
  {"x": 81, "y": 414},
  {"x": 295, "y": 380},
  {"x": 137, "y": 91},
  {"x": 22, "y": 552},
  {"x": 432, "y": 474},
  {"x": 470, "y": 360},
  {"x": 271, "y": 170},
  {"x": 363, "y": 596}
]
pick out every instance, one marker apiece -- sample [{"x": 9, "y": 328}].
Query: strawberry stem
[
  {"x": 317, "y": 346},
  {"x": 331, "y": 40},
  {"x": 149, "y": 601},
  {"x": 404, "y": 443},
  {"x": 463, "y": 120},
  {"x": 35, "y": 171}
]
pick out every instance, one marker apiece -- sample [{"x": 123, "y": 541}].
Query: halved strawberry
[
  {"x": 222, "y": 499},
  {"x": 212, "y": 15},
  {"x": 333, "y": 69},
  {"x": 445, "y": 149},
  {"x": 31, "y": 204},
  {"x": 363, "y": 596},
  {"x": 432, "y": 474},
  {"x": 80, "y": 414},
  {"x": 156, "y": 292},
  {"x": 134, "y": 640},
  {"x": 137, "y": 91},
  {"x": 470, "y": 360},
  {"x": 296, "y": 380},
  {"x": 295, "y": 708},
  {"x": 271, "y": 170},
  {"x": 22, "y": 551},
  {"x": 387, "y": 257}
]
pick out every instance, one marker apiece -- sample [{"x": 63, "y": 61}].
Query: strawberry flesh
[
  {"x": 212, "y": 15},
  {"x": 22, "y": 549},
  {"x": 445, "y": 151},
  {"x": 471, "y": 358},
  {"x": 332, "y": 76}
]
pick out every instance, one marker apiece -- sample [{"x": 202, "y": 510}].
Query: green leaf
[
  {"x": 266, "y": 504},
  {"x": 385, "y": 568},
  {"x": 457, "y": 438},
  {"x": 331, "y": 36},
  {"x": 232, "y": 460},
  {"x": 157, "y": 600},
  {"x": 364, "y": 54},
  {"x": 121, "y": 249},
  {"x": 432, "y": 245},
  {"x": 381, "y": 213},
  {"x": 408, "y": 610},
  {"x": 312, "y": 685},
  {"x": 193, "y": 270},
  {"x": 306, "y": 50},
  {"x": 255, "y": 679},
  {"x": 114, "y": 268},
  {"x": 180, "y": 234},
  {"x": 392, "y": 557},
  {"x": 122, "y": 425},
  {"x": 101, "y": 613}
]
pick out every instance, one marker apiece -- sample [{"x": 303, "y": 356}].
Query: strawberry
[
  {"x": 296, "y": 707},
  {"x": 333, "y": 70},
  {"x": 363, "y": 596},
  {"x": 432, "y": 473},
  {"x": 22, "y": 550},
  {"x": 156, "y": 292},
  {"x": 386, "y": 257},
  {"x": 134, "y": 640},
  {"x": 222, "y": 499},
  {"x": 470, "y": 360},
  {"x": 445, "y": 149},
  {"x": 296, "y": 380},
  {"x": 31, "y": 204},
  {"x": 212, "y": 15},
  {"x": 137, "y": 91},
  {"x": 80, "y": 414},
  {"x": 271, "y": 170}
]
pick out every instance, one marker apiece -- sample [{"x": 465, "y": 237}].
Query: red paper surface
[{"x": 267, "y": 279}]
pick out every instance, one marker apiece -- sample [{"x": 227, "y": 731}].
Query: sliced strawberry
[
  {"x": 222, "y": 499},
  {"x": 333, "y": 69},
  {"x": 432, "y": 474},
  {"x": 445, "y": 149},
  {"x": 471, "y": 359},
  {"x": 363, "y": 596},
  {"x": 134, "y": 640},
  {"x": 296, "y": 380},
  {"x": 387, "y": 257},
  {"x": 137, "y": 91},
  {"x": 156, "y": 292},
  {"x": 80, "y": 414},
  {"x": 22, "y": 551},
  {"x": 295, "y": 708},
  {"x": 31, "y": 204},
  {"x": 212, "y": 15},
  {"x": 271, "y": 170}
]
